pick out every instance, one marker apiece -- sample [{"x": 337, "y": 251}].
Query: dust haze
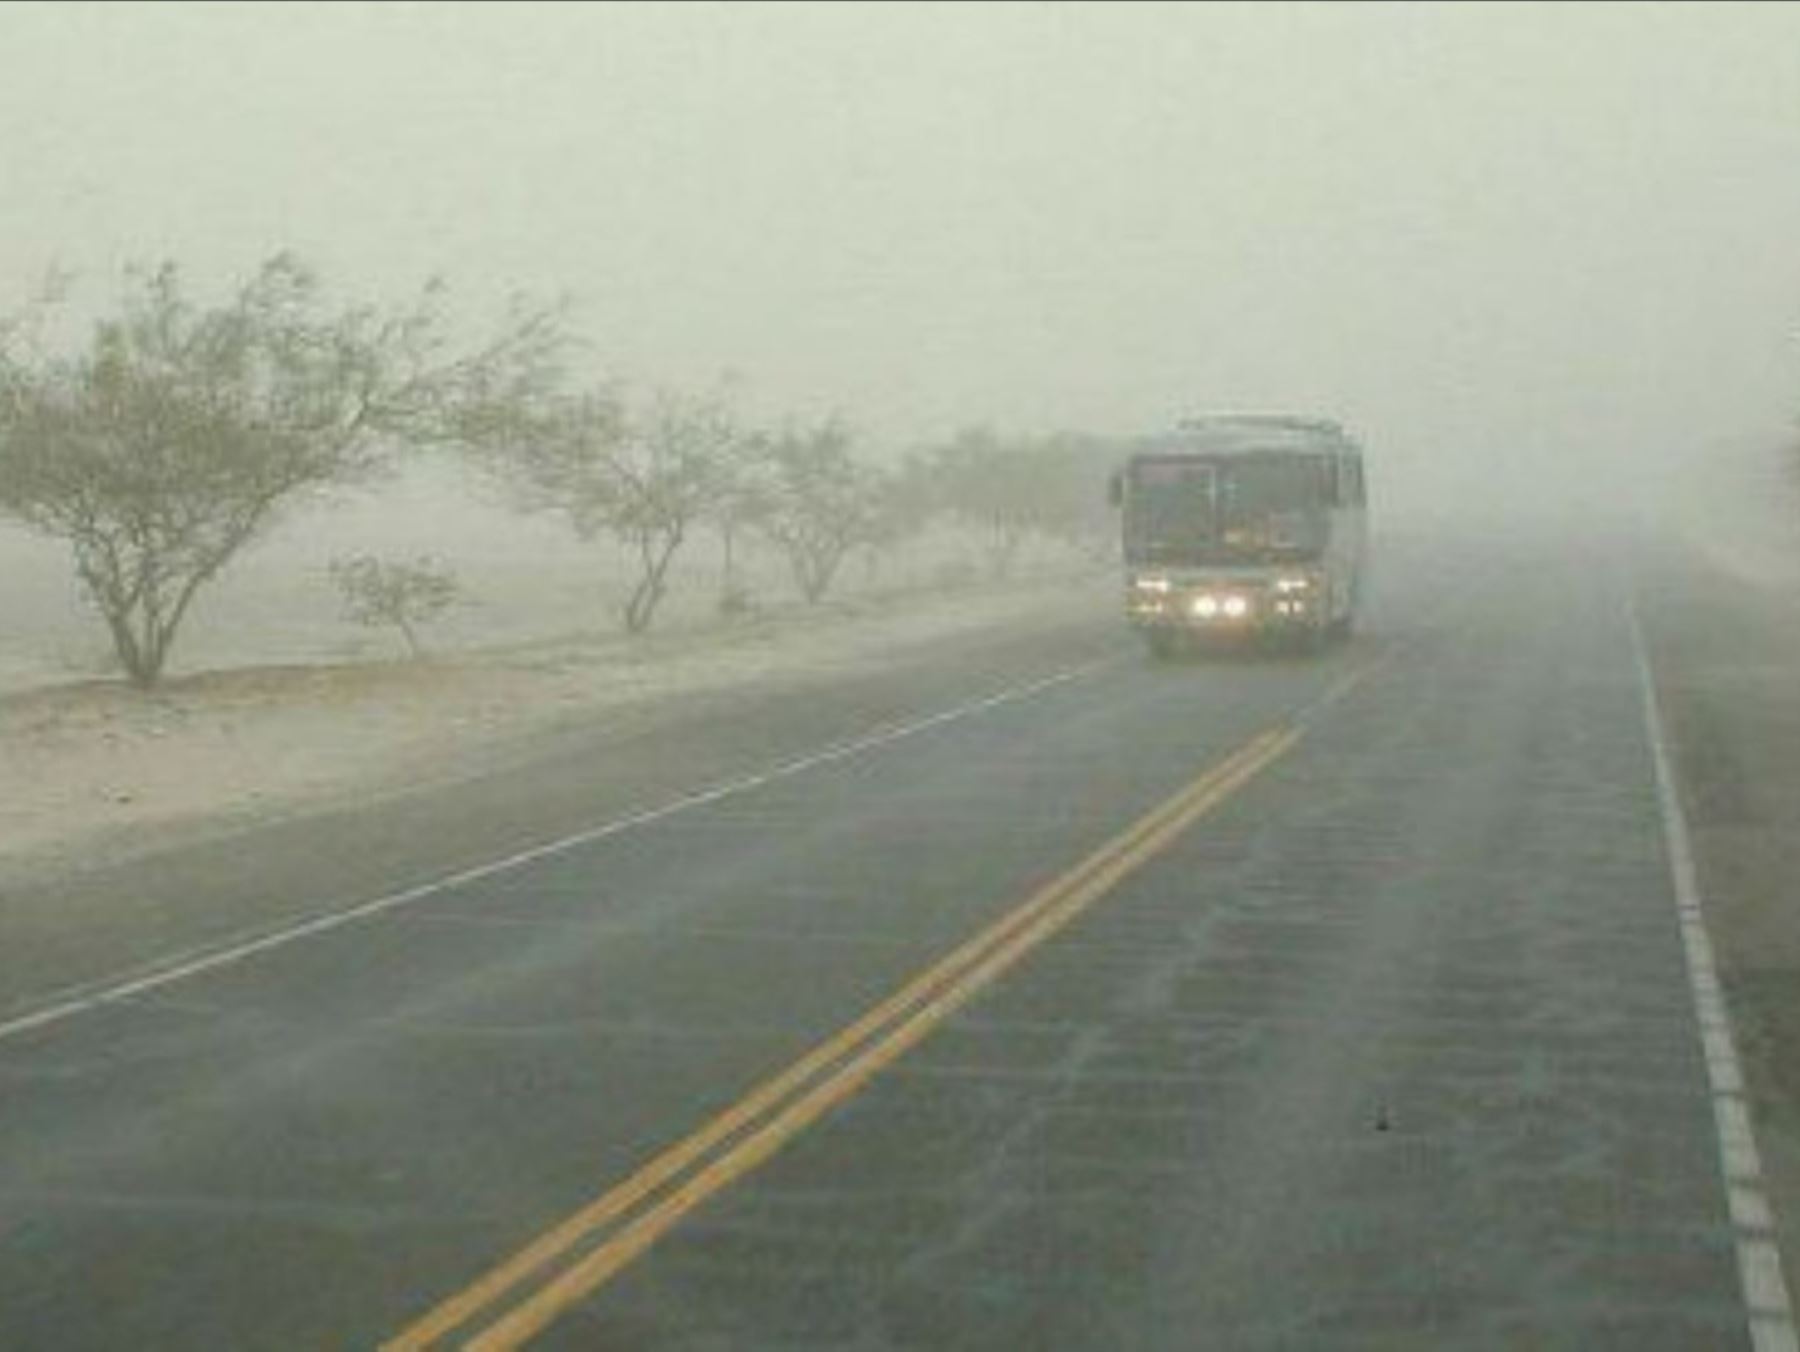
[{"x": 1540, "y": 258}]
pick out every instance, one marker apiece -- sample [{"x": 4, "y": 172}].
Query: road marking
[
  {"x": 628, "y": 1219},
  {"x": 67, "y": 1004},
  {"x": 1770, "y": 1312}
]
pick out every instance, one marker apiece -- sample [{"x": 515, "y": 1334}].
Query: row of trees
[
  {"x": 653, "y": 476},
  {"x": 173, "y": 435}
]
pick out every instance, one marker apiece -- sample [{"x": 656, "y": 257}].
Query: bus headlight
[
  {"x": 1206, "y": 606},
  {"x": 1236, "y": 607}
]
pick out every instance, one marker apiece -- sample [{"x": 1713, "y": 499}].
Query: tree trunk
[
  {"x": 806, "y": 573},
  {"x": 142, "y": 618},
  {"x": 655, "y": 556},
  {"x": 822, "y": 569},
  {"x": 141, "y": 658},
  {"x": 145, "y": 665}
]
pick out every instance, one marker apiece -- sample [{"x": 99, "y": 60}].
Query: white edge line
[
  {"x": 68, "y": 1004},
  {"x": 1769, "y": 1310}
]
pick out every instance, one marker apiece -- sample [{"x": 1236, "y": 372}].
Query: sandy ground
[{"x": 85, "y": 766}]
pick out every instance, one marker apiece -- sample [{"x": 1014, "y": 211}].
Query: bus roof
[
  {"x": 1247, "y": 433},
  {"x": 1285, "y": 421}
]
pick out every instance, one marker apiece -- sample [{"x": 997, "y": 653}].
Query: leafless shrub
[
  {"x": 390, "y": 593},
  {"x": 645, "y": 477}
]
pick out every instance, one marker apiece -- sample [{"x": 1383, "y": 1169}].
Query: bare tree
[
  {"x": 817, "y": 502},
  {"x": 1017, "y": 488},
  {"x": 1071, "y": 470},
  {"x": 900, "y": 507},
  {"x": 178, "y": 434},
  {"x": 990, "y": 485},
  {"x": 736, "y": 500},
  {"x": 646, "y": 478},
  {"x": 386, "y": 592}
]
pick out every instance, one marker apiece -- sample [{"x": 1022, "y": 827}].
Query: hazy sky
[{"x": 1567, "y": 234}]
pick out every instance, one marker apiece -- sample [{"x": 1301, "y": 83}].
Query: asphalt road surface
[{"x": 1032, "y": 994}]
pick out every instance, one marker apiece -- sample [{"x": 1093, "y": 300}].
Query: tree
[
  {"x": 179, "y": 434},
  {"x": 1010, "y": 490},
  {"x": 990, "y": 485},
  {"x": 644, "y": 477},
  {"x": 1070, "y": 478},
  {"x": 384, "y": 592},
  {"x": 902, "y": 503},
  {"x": 817, "y": 503},
  {"x": 736, "y": 498}
]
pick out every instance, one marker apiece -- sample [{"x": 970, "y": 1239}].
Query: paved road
[{"x": 1312, "y": 1003}]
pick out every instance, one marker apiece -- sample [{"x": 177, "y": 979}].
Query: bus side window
[{"x": 1353, "y": 481}]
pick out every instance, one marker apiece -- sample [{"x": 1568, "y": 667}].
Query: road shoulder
[{"x": 1726, "y": 647}]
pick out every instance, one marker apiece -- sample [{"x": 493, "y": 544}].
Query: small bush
[{"x": 390, "y": 593}]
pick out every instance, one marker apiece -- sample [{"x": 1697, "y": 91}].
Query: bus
[{"x": 1247, "y": 525}]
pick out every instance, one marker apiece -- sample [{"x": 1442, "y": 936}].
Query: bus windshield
[{"x": 1261, "y": 506}]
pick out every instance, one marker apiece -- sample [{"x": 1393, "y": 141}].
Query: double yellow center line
[{"x": 523, "y": 1295}]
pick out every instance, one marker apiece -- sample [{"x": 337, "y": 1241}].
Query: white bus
[{"x": 1248, "y": 525}]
